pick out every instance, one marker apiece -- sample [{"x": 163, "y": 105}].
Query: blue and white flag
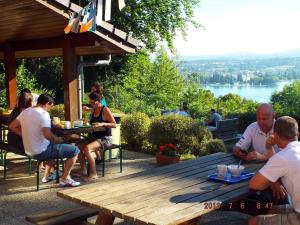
[{"x": 89, "y": 16}]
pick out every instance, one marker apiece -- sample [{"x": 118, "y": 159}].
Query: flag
[
  {"x": 88, "y": 23},
  {"x": 75, "y": 27},
  {"x": 73, "y": 22}
]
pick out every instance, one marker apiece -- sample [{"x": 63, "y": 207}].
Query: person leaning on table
[
  {"x": 256, "y": 135},
  {"x": 34, "y": 125},
  {"x": 284, "y": 165}
]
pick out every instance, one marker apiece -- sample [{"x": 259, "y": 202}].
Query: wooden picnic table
[{"x": 166, "y": 195}]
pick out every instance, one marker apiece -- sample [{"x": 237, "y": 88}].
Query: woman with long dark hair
[{"x": 15, "y": 141}]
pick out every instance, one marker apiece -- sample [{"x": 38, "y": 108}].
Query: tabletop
[
  {"x": 77, "y": 130},
  {"x": 165, "y": 195}
]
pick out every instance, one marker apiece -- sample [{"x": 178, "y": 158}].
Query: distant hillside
[{"x": 287, "y": 54}]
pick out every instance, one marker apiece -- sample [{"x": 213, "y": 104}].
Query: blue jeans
[{"x": 54, "y": 151}]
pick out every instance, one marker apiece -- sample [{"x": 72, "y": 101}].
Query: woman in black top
[
  {"x": 14, "y": 140},
  {"x": 101, "y": 116}
]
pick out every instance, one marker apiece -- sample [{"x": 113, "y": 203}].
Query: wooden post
[
  {"x": 105, "y": 219},
  {"x": 70, "y": 80},
  {"x": 10, "y": 76}
]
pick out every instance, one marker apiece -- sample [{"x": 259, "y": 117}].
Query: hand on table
[{"x": 98, "y": 124}]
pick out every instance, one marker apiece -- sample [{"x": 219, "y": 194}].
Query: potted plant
[{"x": 167, "y": 154}]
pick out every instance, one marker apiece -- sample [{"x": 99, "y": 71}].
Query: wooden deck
[{"x": 163, "y": 196}]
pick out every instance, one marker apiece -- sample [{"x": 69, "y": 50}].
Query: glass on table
[
  {"x": 55, "y": 121},
  {"x": 221, "y": 171}
]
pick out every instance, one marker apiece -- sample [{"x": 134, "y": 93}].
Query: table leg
[
  {"x": 105, "y": 219},
  {"x": 192, "y": 221}
]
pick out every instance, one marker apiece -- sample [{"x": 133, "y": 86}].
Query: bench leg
[
  {"x": 1, "y": 153},
  {"x": 103, "y": 161},
  {"x": 105, "y": 219},
  {"x": 38, "y": 175},
  {"x": 57, "y": 170},
  {"x": 121, "y": 158},
  {"x": 5, "y": 166}
]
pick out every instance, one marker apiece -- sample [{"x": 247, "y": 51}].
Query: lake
[{"x": 254, "y": 92}]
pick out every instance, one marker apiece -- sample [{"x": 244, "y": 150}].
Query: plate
[{"x": 231, "y": 180}]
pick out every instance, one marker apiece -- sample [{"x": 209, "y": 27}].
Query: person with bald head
[{"x": 255, "y": 136}]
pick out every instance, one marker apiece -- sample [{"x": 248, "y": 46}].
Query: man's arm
[
  {"x": 50, "y": 136},
  {"x": 15, "y": 126},
  {"x": 259, "y": 182},
  {"x": 255, "y": 155}
]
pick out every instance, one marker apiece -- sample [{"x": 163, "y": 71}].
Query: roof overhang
[{"x": 35, "y": 28}]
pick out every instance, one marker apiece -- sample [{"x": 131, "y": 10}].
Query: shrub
[
  {"x": 134, "y": 130},
  {"x": 168, "y": 129},
  {"x": 185, "y": 132},
  {"x": 213, "y": 146},
  {"x": 197, "y": 136}
]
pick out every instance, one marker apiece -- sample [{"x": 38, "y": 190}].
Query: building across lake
[{"x": 253, "y": 92}]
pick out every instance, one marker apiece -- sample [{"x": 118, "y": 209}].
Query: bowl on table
[{"x": 236, "y": 170}]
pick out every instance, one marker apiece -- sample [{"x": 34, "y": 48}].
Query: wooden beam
[
  {"x": 70, "y": 81},
  {"x": 77, "y": 40},
  {"x": 10, "y": 76}
]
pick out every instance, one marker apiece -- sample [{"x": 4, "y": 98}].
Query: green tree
[
  {"x": 148, "y": 86},
  {"x": 287, "y": 101},
  {"x": 24, "y": 79}
]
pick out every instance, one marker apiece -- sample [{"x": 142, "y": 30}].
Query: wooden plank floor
[{"x": 165, "y": 195}]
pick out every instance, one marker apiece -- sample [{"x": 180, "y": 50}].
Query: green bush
[
  {"x": 168, "y": 129},
  {"x": 186, "y": 133},
  {"x": 134, "y": 130},
  {"x": 197, "y": 135},
  {"x": 213, "y": 146}
]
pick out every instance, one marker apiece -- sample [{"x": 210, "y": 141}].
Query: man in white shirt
[
  {"x": 34, "y": 125},
  {"x": 256, "y": 135},
  {"x": 284, "y": 165}
]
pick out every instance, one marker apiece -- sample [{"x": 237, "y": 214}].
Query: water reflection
[{"x": 255, "y": 93}]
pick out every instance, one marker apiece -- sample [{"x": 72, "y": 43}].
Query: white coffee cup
[
  {"x": 67, "y": 124},
  {"x": 80, "y": 123},
  {"x": 55, "y": 120},
  {"x": 221, "y": 171}
]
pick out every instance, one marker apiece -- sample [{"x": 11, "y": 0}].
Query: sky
[{"x": 243, "y": 26}]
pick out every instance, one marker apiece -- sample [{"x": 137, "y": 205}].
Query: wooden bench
[
  {"x": 74, "y": 216},
  {"x": 227, "y": 129}
]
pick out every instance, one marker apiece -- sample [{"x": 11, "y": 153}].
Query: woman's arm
[{"x": 108, "y": 117}]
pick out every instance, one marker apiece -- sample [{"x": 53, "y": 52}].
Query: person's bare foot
[
  {"x": 90, "y": 178},
  {"x": 79, "y": 173}
]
